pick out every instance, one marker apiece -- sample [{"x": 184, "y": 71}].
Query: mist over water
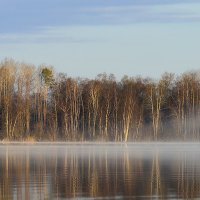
[{"x": 100, "y": 171}]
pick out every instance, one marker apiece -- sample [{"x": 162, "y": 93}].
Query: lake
[{"x": 100, "y": 171}]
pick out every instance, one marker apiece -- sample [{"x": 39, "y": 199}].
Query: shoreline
[{"x": 99, "y": 143}]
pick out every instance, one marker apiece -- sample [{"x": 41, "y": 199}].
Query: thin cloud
[
  {"x": 47, "y": 35},
  {"x": 112, "y": 9},
  {"x": 22, "y": 16},
  {"x": 190, "y": 12}
]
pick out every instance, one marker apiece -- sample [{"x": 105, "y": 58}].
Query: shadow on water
[{"x": 91, "y": 171}]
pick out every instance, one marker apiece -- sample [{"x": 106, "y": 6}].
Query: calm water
[{"x": 106, "y": 171}]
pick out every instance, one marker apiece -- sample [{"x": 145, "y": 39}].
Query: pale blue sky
[{"x": 88, "y": 37}]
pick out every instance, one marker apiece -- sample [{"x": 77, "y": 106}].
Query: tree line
[{"x": 37, "y": 102}]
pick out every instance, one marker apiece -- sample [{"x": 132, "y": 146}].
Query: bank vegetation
[{"x": 37, "y": 103}]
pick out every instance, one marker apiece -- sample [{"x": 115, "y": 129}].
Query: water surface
[{"x": 100, "y": 171}]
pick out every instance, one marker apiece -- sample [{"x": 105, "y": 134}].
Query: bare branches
[{"x": 47, "y": 105}]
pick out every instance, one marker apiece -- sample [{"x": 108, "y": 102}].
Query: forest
[{"x": 37, "y": 103}]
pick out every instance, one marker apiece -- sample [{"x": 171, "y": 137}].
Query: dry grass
[{"x": 30, "y": 139}]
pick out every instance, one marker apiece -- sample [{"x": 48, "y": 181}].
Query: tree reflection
[{"x": 70, "y": 174}]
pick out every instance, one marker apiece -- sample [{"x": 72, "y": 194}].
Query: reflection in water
[{"x": 96, "y": 171}]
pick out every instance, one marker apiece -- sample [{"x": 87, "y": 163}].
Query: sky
[{"x": 83, "y": 38}]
